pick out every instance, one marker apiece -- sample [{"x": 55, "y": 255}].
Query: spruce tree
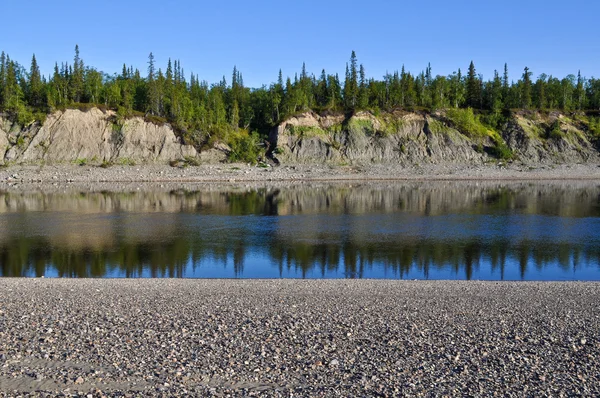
[
  {"x": 2, "y": 78},
  {"x": 152, "y": 97},
  {"x": 526, "y": 89},
  {"x": 473, "y": 87},
  {"x": 540, "y": 92},
  {"x": 579, "y": 92},
  {"x": 35, "y": 86},
  {"x": 77, "y": 77},
  {"x": 351, "y": 83},
  {"x": 363, "y": 94}
]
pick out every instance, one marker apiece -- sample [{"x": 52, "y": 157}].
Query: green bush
[
  {"x": 594, "y": 127},
  {"x": 494, "y": 119},
  {"x": 465, "y": 121},
  {"x": 24, "y": 116},
  {"x": 245, "y": 147},
  {"x": 501, "y": 151}
]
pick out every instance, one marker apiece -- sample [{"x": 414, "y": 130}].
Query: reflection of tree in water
[
  {"x": 169, "y": 258},
  {"x": 193, "y": 237}
]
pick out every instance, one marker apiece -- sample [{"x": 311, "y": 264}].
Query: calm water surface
[{"x": 455, "y": 230}]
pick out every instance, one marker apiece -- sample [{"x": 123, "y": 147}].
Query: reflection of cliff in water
[
  {"x": 567, "y": 199},
  {"x": 353, "y": 230}
]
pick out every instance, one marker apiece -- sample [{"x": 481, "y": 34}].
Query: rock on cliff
[
  {"x": 93, "y": 135},
  {"x": 411, "y": 138}
]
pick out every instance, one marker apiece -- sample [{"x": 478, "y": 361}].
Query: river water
[{"x": 429, "y": 230}]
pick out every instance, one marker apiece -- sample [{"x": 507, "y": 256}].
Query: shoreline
[
  {"x": 241, "y": 173},
  {"x": 307, "y": 338}
]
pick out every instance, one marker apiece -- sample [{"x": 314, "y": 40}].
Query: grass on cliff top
[{"x": 469, "y": 124}]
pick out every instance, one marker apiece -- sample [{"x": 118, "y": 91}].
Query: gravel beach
[
  {"x": 298, "y": 338},
  {"x": 235, "y": 173}
]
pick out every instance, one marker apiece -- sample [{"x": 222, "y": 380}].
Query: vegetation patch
[
  {"x": 530, "y": 128},
  {"x": 465, "y": 121},
  {"x": 125, "y": 162},
  {"x": 80, "y": 161},
  {"x": 594, "y": 127},
  {"x": 437, "y": 127},
  {"x": 390, "y": 125},
  {"x": 245, "y": 147},
  {"x": 555, "y": 132},
  {"x": 305, "y": 131},
  {"x": 360, "y": 126},
  {"x": 501, "y": 151}
]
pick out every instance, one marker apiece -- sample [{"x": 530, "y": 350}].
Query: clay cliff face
[
  {"x": 403, "y": 138},
  {"x": 412, "y": 138},
  {"x": 94, "y": 136}
]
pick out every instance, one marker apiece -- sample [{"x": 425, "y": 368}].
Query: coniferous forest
[{"x": 228, "y": 110}]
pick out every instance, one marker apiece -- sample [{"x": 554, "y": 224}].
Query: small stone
[
  {"x": 334, "y": 362},
  {"x": 583, "y": 341},
  {"x": 79, "y": 380}
]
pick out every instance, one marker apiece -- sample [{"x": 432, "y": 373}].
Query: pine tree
[
  {"x": 334, "y": 92},
  {"x": 2, "y": 78},
  {"x": 363, "y": 93},
  {"x": 77, "y": 77},
  {"x": 526, "y": 89},
  {"x": 321, "y": 91},
  {"x": 35, "y": 86},
  {"x": 473, "y": 88},
  {"x": 495, "y": 95},
  {"x": 152, "y": 97},
  {"x": 505, "y": 88},
  {"x": 351, "y": 83},
  {"x": 540, "y": 92},
  {"x": 12, "y": 91},
  {"x": 579, "y": 92}
]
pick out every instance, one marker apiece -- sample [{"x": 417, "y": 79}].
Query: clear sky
[{"x": 260, "y": 37}]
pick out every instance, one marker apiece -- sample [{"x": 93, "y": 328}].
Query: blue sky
[{"x": 260, "y": 37}]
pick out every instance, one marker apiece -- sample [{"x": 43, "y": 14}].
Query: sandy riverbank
[
  {"x": 246, "y": 173},
  {"x": 301, "y": 338}
]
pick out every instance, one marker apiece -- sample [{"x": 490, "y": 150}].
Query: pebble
[
  {"x": 281, "y": 338},
  {"x": 320, "y": 172}
]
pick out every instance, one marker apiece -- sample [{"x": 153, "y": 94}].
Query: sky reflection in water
[{"x": 458, "y": 230}]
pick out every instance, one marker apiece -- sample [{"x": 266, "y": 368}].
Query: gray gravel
[
  {"x": 223, "y": 173},
  {"x": 298, "y": 338}
]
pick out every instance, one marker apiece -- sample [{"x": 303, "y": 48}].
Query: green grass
[
  {"x": 305, "y": 131},
  {"x": 125, "y": 162},
  {"x": 555, "y": 132},
  {"x": 80, "y": 161},
  {"x": 437, "y": 127},
  {"x": 360, "y": 126}
]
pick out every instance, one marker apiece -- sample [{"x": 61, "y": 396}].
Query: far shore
[{"x": 234, "y": 173}]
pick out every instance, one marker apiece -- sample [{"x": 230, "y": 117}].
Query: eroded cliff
[
  {"x": 94, "y": 136},
  {"x": 412, "y": 138},
  {"x": 404, "y": 138}
]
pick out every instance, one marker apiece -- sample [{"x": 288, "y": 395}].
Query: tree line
[{"x": 203, "y": 111}]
